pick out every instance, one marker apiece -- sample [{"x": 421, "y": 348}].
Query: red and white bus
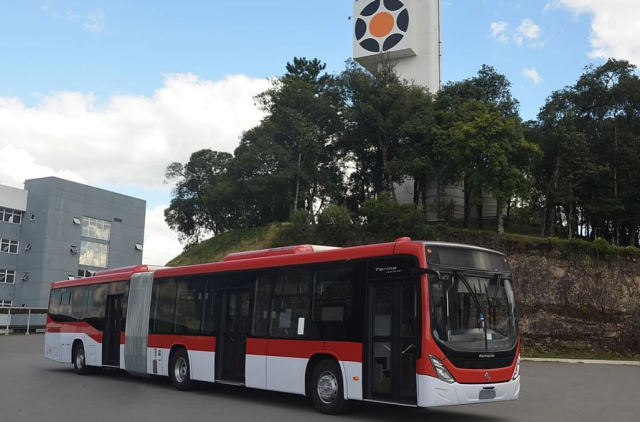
[{"x": 412, "y": 323}]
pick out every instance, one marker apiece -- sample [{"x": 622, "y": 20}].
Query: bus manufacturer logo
[
  {"x": 486, "y": 356},
  {"x": 388, "y": 270},
  {"x": 487, "y": 376}
]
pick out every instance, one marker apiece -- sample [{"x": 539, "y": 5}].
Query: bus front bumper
[{"x": 433, "y": 392}]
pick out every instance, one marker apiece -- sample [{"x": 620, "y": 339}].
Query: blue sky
[
  {"x": 109, "y": 92},
  {"x": 140, "y": 42}
]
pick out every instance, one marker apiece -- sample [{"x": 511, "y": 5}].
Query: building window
[
  {"x": 10, "y": 216},
  {"x": 82, "y": 273},
  {"x": 8, "y": 246},
  {"x": 96, "y": 229},
  {"x": 6, "y": 303},
  {"x": 94, "y": 254},
  {"x": 7, "y": 276}
]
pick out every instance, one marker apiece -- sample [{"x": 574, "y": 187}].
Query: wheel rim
[
  {"x": 80, "y": 358},
  {"x": 180, "y": 369},
  {"x": 327, "y": 387}
]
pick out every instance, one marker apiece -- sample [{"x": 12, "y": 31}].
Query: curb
[{"x": 585, "y": 361}]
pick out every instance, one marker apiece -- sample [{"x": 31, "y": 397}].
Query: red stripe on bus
[
  {"x": 293, "y": 348},
  {"x": 345, "y": 351},
  {"x": 74, "y": 327},
  {"x": 257, "y": 346},
  {"x": 196, "y": 343}
]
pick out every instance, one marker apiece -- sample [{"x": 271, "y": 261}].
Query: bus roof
[
  {"x": 107, "y": 276},
  {"x": 275, "y": 257}
]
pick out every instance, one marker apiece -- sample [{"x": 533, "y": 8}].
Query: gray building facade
[{"x": 66, "y": 230}]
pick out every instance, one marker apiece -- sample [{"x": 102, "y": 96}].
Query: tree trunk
[
  {"x": 615, "y": 180},
  {"x": 467, "y": 205},
  {"x": 547, "y": 216},
  {"x": 633, "y": 234},
  {"x": 295, "y": 201},
  {"x": 500, "y": 220},
  {"x": 425, "y": 181},
  {"x": 506, "y": 223},
  {"x": 480, "y": 216}
]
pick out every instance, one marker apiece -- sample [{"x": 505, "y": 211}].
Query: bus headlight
[
  {"x": 441, "y": 370},
  {"x": 516, "y": 372}
]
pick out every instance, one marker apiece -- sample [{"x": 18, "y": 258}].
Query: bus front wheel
[
  {"x": 80, "y": 360},
  {"x": 327, "y": 388},
  {"x": 180, "y": 371}
]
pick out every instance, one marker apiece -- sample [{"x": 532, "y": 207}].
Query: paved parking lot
[{"x": 35, "y": 389}]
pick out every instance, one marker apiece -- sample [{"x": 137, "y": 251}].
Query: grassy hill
[
  {"x": 283, "y": 234},
  {"x": 215, "y": 249}
]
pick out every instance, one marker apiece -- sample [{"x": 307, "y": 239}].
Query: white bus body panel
[{"x": 435, "y": 393}]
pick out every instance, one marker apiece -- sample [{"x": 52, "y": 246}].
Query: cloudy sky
[{"x": 108, "y": 93}]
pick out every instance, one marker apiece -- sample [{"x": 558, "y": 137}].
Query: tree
[
  {"x": 304, "y": 111},
  {"x": 386, "y": 119},
  {"x": 195, "y": 209},
  {"x": 480, "y": 140}
]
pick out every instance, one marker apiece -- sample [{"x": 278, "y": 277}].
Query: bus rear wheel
[
  {"x": 79, "y": 360},
  {"x": 180, "y": 371},
  {"x": 327, "y": 388}
]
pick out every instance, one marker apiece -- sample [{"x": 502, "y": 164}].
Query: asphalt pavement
[{"x": 33, "y": 389}]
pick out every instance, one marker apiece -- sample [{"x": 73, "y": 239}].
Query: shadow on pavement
[{"x": 242, "y": 396}]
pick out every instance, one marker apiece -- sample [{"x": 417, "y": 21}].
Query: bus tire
[
  {"x": 327, "y": 388},
  {"x": 80, "y": 360},
  {"x": 180, "y": 371}
]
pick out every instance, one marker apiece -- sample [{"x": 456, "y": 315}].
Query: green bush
[
  {"x": 302, "y": 228},
  {"x": 335, "y": 226},
  {"x": 386, "y": 220}
]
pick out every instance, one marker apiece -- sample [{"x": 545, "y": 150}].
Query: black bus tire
[
  {"x": 180, "y": 371},
  {"x": 80, "y": 360},
  {"x": 327, "y": 388}
]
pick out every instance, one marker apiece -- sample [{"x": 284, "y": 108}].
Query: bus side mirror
[{"x": 428, "y": 271}]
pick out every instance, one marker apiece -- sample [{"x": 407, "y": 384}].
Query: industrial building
[{"x": 54, "y": 229}]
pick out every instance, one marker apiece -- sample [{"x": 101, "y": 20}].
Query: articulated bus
[{"x": 410, "y": 323}]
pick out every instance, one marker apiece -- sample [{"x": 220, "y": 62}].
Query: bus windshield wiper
[{"x": 474, "y": 296}]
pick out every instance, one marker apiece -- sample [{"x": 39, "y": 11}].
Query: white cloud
[
  {"x": 615, "y": 29},
  {"x": 18, "y": 165},
  {"x": 130, "y": 139},
  {"x": 160, "y": 243},
  {"x": 498, "y": 30},
  {"x": 95, "y": 21},
  {"x": 527, "y": 29},
  {"x": 127, "y": 140},
  {"x": 532, "y": 73}
]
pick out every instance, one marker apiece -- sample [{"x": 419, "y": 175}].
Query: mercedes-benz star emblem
[{"x": 487, "y": 376}]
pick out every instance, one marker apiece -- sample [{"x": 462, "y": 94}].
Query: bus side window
[
  {"x": 54, "y": 302},
  {"x": 189, "y": 309},
  {"x": 210, "y": 310},
  {"x": 64, "y": 311},
  {"x": 163, "y": 306},
  {"x": 96, "y": 305},
  {"x": 79, "y": 307},
  {"x": 333, "y": 301},
  {"x": 290, "y": 301},
  {"x": 262, "y": 295}
]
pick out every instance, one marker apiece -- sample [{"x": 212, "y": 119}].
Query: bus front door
[
  {"x": 234, "y": 324},
  {"x": 393, "y": 341},
  {"x": 112, "y": 331}
]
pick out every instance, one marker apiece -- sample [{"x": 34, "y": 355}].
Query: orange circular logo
[{"x": 381, "y": 25}]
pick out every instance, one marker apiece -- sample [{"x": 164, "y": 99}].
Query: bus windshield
[{"x": 473, "y": 310}]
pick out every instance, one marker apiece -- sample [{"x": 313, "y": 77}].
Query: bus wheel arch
[
  {"x": 180, "y": 368},
  {"x": 323, "y": 365},
  {"x": 79, "y": 357}
]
